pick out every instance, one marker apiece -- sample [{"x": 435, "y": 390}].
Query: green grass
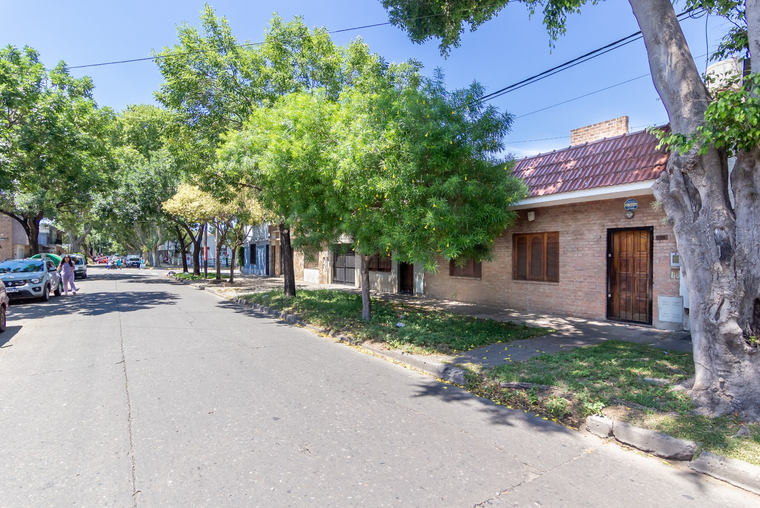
[
  {"x": 424, "y": 331},
  {"x": 611, "y": 374},
  {"x": 190, "y": 276},
  {"x": 609, "y": 371}
]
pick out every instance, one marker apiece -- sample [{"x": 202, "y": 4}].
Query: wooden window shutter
[
  {"x": 521, "y": 257},
  {"x": 552, "y": 257},
  {"x": 471, "y": 268},
  {"x": 536, "y": 270}
]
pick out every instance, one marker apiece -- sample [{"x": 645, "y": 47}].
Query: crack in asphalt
[
  {"x": 129, "y": 402},
  {"x": 534, "y": 473}
]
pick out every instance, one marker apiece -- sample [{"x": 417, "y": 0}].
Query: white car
[{"x": 30, "y": 278}]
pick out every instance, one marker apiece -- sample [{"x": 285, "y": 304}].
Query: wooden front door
[
  {"x": 406, "y": 277},
  {"x": 629, "y": 279},
  {"x": 343, "y": 268}
]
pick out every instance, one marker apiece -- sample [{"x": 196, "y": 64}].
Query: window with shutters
[
  {"x": 536, "y": 257},
  {"x": 380, "y": 263},
  {"x": 471, "y": 268}
]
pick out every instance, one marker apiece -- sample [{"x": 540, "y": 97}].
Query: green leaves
[
  {"x": 446, "y": 20},
  {"x": 53, "y": 138},
  {"x": 731, "y": 121}
]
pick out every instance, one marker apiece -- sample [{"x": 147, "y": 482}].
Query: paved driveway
[{"x": 144, "y": 392}]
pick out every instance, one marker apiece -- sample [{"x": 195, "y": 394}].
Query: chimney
[{"x": 597, "y": 131}]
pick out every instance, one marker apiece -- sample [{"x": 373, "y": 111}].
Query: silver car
[
  {"x": 30, "y": 278},
  {"x": 80, "y": 265}
]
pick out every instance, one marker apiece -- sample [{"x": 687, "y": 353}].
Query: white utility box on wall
[{"x": 670, "y": 309}]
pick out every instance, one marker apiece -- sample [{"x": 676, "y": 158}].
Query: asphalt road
[{"x": 144, "y": 392}]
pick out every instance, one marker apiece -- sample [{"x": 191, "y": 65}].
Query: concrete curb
[
  {"x": 653, "y": 442},
  {"x": 735, "y": 472}
]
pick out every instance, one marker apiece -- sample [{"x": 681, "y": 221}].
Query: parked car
[
  {"x": 80, "y": 265},
  {"x": 3, "y": 306},
  {"x": 132, "y": 262},
  {"x": 30, "y": 278},
  {"x": 102, "y": 260},
  {"x": 55, "y": 257}
]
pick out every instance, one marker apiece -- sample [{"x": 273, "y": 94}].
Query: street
[{"x": 141, "y": 391}]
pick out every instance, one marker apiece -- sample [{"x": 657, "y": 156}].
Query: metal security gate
[{"x": 343, "y": 268}]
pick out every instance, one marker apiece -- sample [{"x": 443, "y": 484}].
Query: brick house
[
  {"x": 578, "y": 247},
  {"x": 15, "y": 245},
  {"x": 589, "y": 240}
]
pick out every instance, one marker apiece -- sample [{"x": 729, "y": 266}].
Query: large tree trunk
[
  {"x": 232, "y": 261},
  {"x": 288, "y": 270},
  {"x": 718, "y": 243},
  {"x": 217, "y": 263},
  {"x": 76, "y": 241},
  {"x": 196, "y": 241},
  {"x": 366, "y": 301},
  {"x": 182, "y": 247},
  {"x": 32, "y": 229}
]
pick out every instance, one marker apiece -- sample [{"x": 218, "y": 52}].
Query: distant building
[{"x": 14, "y": 243}]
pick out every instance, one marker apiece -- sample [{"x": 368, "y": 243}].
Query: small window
[
  {"x": 380, "y": 263},
  {"x": 471, "y": 268},
  {"x": 536, "y": 257},
  {"x": 252, "y": 248}
]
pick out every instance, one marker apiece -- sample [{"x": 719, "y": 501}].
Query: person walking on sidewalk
[{"x": 66, "y": 269}]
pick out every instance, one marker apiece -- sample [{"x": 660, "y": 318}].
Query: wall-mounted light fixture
[{"x": 531, "y": 215}]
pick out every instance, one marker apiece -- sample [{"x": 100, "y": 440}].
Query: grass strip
[
  {"x": 190, "y": 276},
  {"x": 425, "y": 331},
  {"x": 626, "y": 381}
]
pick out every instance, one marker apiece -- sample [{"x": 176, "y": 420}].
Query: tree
[
  {"x": 53, "y": 141},
  {"x": 399, "y": 165},
  {"x": 213, "y": 84},
  {"x": 194, "y": 208},
  {"x": 717, "y": 238}
]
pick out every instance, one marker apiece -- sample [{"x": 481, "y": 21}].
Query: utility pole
[{"x": 205, "y": 252}]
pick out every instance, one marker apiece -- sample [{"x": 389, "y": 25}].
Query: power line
[
  {"x": 578, "y": 60},
  {"x": 597, "y": 91},
  {"x": 161, "y": 57},
  {"x": 584, "y": 95}
]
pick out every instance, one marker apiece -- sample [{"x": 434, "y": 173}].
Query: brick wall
[
  {"x": 582, "y": 290},
  {"x": 601, "y": 130}
]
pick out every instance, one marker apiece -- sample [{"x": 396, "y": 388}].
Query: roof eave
[{"x": 581, "y": 196}]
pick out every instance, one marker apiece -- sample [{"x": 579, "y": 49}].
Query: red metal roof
[{"x": 629, "y": 158}]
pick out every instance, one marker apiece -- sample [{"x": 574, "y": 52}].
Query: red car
[{"x": 102, "y": 260}]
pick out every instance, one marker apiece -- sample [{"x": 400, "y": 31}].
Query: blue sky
[{"x": 505, "y": 50}]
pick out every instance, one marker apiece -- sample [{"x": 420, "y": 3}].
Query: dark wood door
[
  {"x": 267, "y": 260},
  {"x": 343, "y": 268},
  {"x": 629, "y": 295},
  {"x": 406, "y": 277}
]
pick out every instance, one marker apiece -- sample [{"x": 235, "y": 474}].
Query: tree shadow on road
[
  {"x": 7, "y": 335},
  {"x": 92, "y": 304},
  {"x": 496, "y": 414},
  {"x": 248, "y": 311}
]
